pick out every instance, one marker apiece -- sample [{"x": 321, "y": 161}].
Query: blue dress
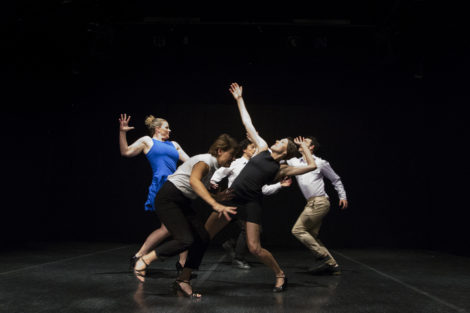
[{"x": 163, "y": 158}]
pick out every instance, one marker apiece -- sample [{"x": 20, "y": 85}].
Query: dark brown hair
[
  {"x": 291, "y": 150},
  {"x": 314, "y": 142},
  {"x": 224, "y": 142}
]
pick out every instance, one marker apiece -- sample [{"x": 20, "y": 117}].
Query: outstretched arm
[
  {"x": 183, "y": 156},
  {"x": 272, "y": 189},
  {"x": 287, "y": 170},
  {"x": 200, "y": 170},
  {"x": 236, "y": 92},
  {"x": 220, "y": 174},
  {"x": 134, "y": 149}
]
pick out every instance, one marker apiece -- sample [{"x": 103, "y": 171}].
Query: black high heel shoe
[
  {"x": 282, "y": 287},
  {"x": 177, "y": 287},
  {"x": 179, "y": 269}
]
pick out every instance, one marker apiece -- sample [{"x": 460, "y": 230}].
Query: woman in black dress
[{"x": 262, "y": 169}]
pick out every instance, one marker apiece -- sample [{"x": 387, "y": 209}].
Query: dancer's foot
[
  {"x": 140, "y": 269},
  {"x": 184, "y": 287},
  {"x": 325, "y": 267},
  {"x": 321, "y": 265},
  {"x": 132, "y": 261},
  {"x": 281, "y": 283},
  {"x": 334, "y": 270}
]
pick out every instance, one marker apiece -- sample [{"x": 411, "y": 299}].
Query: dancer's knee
[
  {"x": 255, "y": 249},
  {"x": 297, "y": 231}
]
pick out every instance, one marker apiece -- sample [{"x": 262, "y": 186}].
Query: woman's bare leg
[
  {"x": 215, "y": 224},
  {"x": 254, "y": 245},
  {"x": 153, "y": 240},
  {"x": 183, "y": 257}
]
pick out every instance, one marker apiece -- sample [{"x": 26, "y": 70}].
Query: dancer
[
  {"x": 261, "y": 169},
  {"x": 307, "y": 226},
  {"x": 163, "y": 156},
  {"x": 237, "y": 248},
  {"x": 173, "y": 201}
]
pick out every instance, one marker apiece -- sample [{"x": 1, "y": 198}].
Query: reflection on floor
[{"x": 94, "y": 277}]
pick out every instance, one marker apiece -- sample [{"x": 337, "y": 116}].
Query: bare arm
[
  {"x": 137, "y": 147},
  {"x": 287, "y": 170},
  {"x": 200, "y": 170},
  {"x": 236, "y": 91},
  {"x": 183, "y": 156}
]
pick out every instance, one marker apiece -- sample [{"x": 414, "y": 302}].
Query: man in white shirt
[
  {"x": 307, "y": 226},
  {"x": 238, "y": 249}
]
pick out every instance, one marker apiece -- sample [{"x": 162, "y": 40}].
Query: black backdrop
[{"x": 385, "y": 101}]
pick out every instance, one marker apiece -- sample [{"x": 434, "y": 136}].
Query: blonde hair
[
  {"x": 224, "y": 142},
  {"x": 151, "y": 122}
]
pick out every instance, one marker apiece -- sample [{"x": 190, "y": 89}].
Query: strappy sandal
[
  {"x": 283, "y": 286},
  {"x": 140, "y": 274},
  {"x": 177, "y": 287},
  {"x": 132, "y": 262}
]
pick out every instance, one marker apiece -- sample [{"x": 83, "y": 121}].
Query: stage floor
[{"x": 93, "y": 277}]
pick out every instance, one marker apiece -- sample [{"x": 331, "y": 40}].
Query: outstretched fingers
[
  {"x": 124, "y": 118},
  {"x": 236, "y": 90},
  {"x": 299, "y": 140},
  {"x": 226, "y": 211}
]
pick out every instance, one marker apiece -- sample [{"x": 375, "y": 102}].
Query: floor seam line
[
  {"x": 422, "y": 292},
  {"x": 61, "y": 260}
]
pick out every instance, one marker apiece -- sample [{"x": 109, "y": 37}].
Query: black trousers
[{"x": 186, "y": 228}]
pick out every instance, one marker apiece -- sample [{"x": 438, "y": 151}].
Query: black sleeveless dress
[{"x": 259, "y": 171}]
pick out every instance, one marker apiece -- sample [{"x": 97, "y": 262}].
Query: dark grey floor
[{"x": 93, "y": 277}]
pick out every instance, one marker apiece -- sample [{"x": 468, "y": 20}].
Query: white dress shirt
[
  {"x": 235, "y": 169},
  {"x": 311, "y": 184}
]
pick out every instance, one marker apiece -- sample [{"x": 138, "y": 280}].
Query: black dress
[{"x": 259, "y": 171}]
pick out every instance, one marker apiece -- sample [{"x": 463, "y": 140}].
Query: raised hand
[
  {"x": 236, "y": 90},
  {"x": 299, "y": 140},
  {"x": 124, "y": 123}
]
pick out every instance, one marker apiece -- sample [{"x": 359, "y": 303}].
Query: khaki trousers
[{"x": 307, "y": 227}]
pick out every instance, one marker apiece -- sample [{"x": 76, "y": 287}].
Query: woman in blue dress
[{"x": 163, "y": 156}]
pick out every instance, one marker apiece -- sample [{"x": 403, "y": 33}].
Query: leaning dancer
[
  {"x": 173, "y": 203},
  {"x": 163, "y": 156},
  {"x": 238, "y": 245},
  {"x": 247, "y": 189},
  {"x": 308, "y": 224}
]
